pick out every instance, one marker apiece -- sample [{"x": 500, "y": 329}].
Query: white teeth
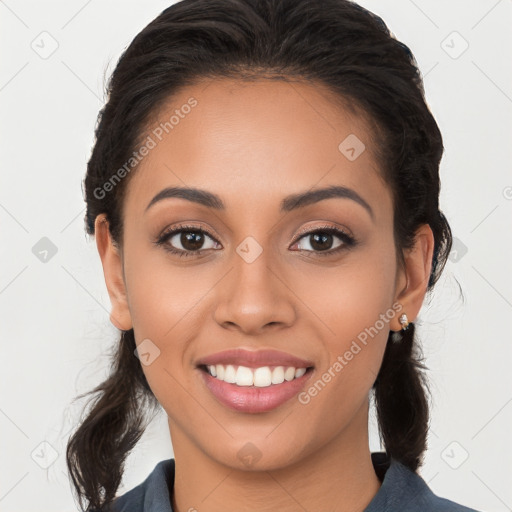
[
  {"x": 230, "y": 374},
  {"x": 289, "y": 374},
  {"x": 244, "y": 376},
  {"x": 299, "y": 372},
  {"x": 259, "y": 377},
  {"x": 278, "y": 375},
  {"x": 262, "y": 377}
]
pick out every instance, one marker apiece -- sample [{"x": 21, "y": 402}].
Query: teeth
[
  {"x": 278, "y": 375},
  {"x": 289, "y": 374},
  {"x": 259, "y": 377},
  {"x": 299, "y": 372},
  {"x": 230, "y": 374},
  {"x": 262, "y": 377},
  {"x": 244, "y": 376}
]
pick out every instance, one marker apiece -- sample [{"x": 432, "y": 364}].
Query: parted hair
[{"x": 335, "y": 43}]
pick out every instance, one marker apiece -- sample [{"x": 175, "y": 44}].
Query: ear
[
  {"x": 413, "y": 280},
  {"x": 111, "y": 259}
]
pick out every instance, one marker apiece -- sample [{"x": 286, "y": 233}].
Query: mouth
[{"x": 254, "y": 382}]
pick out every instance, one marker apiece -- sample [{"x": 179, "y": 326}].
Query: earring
[{"x": 404, "y": 321}]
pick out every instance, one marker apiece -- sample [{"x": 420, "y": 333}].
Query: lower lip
[{"x": 253, "y": 399}]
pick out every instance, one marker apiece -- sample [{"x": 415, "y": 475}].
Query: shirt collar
[{"x": 399, "y": 486}]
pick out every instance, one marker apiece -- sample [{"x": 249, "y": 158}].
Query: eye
[
  {"x": 186, "y": 240},
  {"x": 322, "y": 241}
]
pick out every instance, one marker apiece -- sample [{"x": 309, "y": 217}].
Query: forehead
[{"x": 255, "y": 142}]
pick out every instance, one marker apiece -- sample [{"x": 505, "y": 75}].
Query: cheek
[
  {"x": 165, "y": 307},
  {"x": 354, "y": 303},
  {"x": 348, "y": 298},
  {"x": 161, "y": 294}
]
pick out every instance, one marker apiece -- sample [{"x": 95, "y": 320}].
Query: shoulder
[
  {"x": 421, "y": 497},
  {"x": 405, "y": 490},
  {"x": 151, "y": 494}
]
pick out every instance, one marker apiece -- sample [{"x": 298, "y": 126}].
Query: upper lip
[{"x": 254, "y": 358}]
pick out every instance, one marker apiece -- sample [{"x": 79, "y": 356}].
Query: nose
[{"x": 255, "y": 297}]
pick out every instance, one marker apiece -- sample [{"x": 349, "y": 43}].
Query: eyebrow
[{"x": 289, "y": 203}]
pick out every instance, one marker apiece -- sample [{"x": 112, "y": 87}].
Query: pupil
[
  {"x": 322, "y": 238},
  {"x": 191, "y": 241}
]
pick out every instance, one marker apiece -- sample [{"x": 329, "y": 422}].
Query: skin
[{"x": 253, "y": 144}]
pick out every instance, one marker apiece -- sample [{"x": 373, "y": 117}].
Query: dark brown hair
[{"x": 335, "y": 43}]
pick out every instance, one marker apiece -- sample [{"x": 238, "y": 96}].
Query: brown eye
[
  {"x": 187, "y": 241},
  {"x": 190, "y": 241},
  {"x": 322, "y": 241}
]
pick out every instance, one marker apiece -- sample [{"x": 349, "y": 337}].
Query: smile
[{"x": 252, "y": 398}]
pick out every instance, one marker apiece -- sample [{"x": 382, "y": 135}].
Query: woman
[{"x": 264, "y": 194}]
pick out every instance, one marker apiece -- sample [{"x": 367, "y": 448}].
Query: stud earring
[{"x": 404, "y": 321}]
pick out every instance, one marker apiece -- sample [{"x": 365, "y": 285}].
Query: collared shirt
[{"x": 401, "y": 490}]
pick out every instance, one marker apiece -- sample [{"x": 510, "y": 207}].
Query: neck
[{"x": 340, "y": 476}]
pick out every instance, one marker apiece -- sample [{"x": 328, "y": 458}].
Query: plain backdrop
[{"x": 55, "y": 328}]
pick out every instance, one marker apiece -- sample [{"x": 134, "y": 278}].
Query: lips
[
  {"x": 254, "y": 359},
  {"x": 254, "y": 399}
]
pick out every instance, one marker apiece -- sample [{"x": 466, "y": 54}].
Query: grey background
[{"x": 55, "y": 329}]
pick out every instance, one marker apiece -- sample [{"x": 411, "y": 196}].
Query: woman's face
[{"x": 260, "y": 282}]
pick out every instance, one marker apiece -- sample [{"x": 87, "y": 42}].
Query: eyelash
[{"x": 348, "y": 240}]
